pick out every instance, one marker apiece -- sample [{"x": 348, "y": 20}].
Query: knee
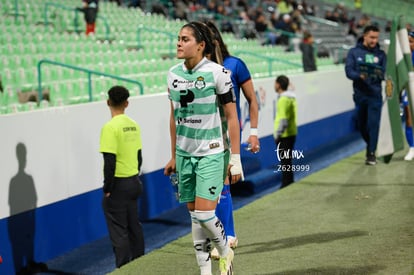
[{"x": 204, "y": 216}]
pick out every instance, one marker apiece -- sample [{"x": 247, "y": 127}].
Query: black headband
[{"x": 195, "y": 28}]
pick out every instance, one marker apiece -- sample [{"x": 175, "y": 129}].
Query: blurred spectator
[
  {"x": 201, "y": 3},
  {"x": 297, "y": 20},
  {"x": 352, "y": 29},
  {"x": 228, "y": 7},
  {"x": 308, "y": 9},
  {"x": 242, "y": 4},
  {"x": 262, "y": 26},
  {"x": 134, "y": 4},
  {"x": 308, "y": 52},
  {"x": 211, "y": 6},
  {"x": 387, "y": 27},
  {"x": 284, "y": 7},
  {"x": 119, "y": 2},
  {"x": 355, "y": 28},
  {"x": 358, "y": 4},
  {"x": 335, "y": 16},
  {"x": 180, "y": 10},
  {"x": 284, "y": 24},
  {"x": 90, "y": 9},
  {"x": 343, "y": 18},
  {"x": 159, "y": 9},
  {"x": 329, "y": 15},
  {"x": 341, "y": 13},
  {"x": 224, "y": 18},
  {"x": 364, "y": 21}
]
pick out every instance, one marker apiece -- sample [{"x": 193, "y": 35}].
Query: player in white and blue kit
[{"x": 241, "y": 80}]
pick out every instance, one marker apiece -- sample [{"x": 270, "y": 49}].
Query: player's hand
[
  {"x": 170, "y": 167},
  {"x": 254, "y": 142},
  {"x": 363, "y": 76},
  {"x": 235, "y": 168}
]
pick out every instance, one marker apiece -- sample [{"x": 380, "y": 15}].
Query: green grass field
[{"x": 346, "y": 219}]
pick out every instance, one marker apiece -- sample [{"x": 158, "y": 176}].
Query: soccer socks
[
  {"x": 409, "y": 136},
  {"x": 202, "y": 246},
  {"x": 224, "y": 211},
  {"x": 214, "y": 230}
]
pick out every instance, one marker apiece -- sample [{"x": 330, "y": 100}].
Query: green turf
[{"x": 346, "y": 219}]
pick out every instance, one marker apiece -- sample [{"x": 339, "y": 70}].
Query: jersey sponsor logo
[
  {"x": 214, "y": 145},
  {"x": 369, "y": 58},
  {"x": 200, "y": 83},
  {"x": 184, "y": 120},
  {"x": 186, "y": 83},
  {"x": 186, "y": 111},
  {"x": 186, "y": 96}
]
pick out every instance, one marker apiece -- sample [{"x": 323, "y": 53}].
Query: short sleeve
[
  {"x": 108, "y": 141},
  {"x": 223, "y": 81}
]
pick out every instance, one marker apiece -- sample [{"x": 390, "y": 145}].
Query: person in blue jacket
[{"x": 365, "y": 66}]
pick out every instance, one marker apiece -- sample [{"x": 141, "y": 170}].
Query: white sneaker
[
  {"x": 233, "y": 241},
  {"x": 410, "y": 154},
  {"x": 226, "y": 263}
]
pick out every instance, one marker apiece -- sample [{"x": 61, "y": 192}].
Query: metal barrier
[
  {"x": 321, "y": 21},
  {"x": 269, "y": 60},
  {"x": 87, "y": 71},
  {"x": 16, "y": 12}
]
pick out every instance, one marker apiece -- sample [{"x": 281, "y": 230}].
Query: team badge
[
  {"x": 200, "y": 83},
  {"x": 389, "y": 86}
]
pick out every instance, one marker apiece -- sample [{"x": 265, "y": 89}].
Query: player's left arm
[
  {"x": 236, "y": 170},
  {"x": 250, "y": 95}
]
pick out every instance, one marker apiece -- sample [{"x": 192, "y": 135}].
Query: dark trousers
[
  {"x": 121, "y": 214},
  {"x": 284, "y": 151},
  {"x": 368, "y": 109}
]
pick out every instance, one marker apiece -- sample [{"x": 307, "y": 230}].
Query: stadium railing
[{"x": 85, "y": 70}]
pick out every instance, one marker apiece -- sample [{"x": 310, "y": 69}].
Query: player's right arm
[{"x": 170, "y": 167}]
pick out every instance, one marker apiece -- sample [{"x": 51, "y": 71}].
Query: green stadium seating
[{"x": 26, "y": 40}]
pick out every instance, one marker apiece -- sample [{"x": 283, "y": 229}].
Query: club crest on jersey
[{"x": 200, "y": 83}]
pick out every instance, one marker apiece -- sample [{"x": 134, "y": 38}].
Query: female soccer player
[
  {"x": 196, "y": 88},
  {"x": 241, "y": 79}
]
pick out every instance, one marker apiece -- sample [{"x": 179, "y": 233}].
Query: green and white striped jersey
[{"x": 194, "y": 95}]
